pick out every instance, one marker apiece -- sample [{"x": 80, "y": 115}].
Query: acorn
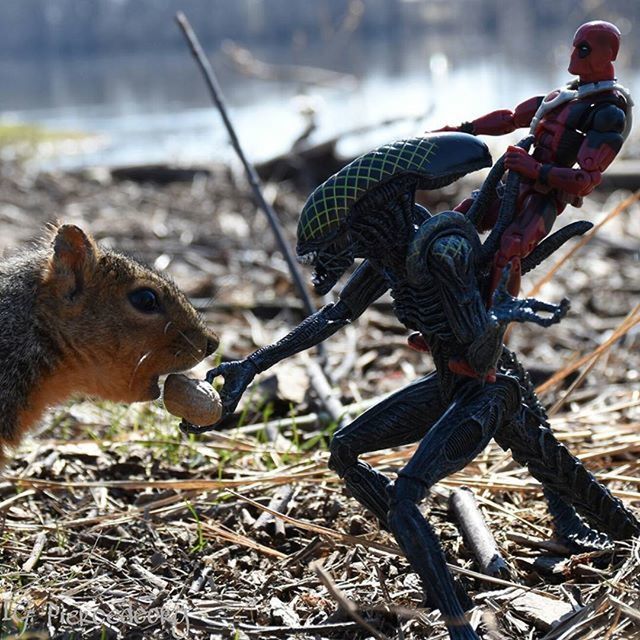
[{"x": 196, "y": 401}]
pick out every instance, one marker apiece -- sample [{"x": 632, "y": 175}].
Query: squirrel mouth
[{"x": 154, "y": 388}]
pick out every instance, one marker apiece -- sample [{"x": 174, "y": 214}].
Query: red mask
[{"x": 595, "y": 47}]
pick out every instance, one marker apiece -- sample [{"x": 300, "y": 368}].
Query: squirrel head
[{"x": 118, "y": 324}]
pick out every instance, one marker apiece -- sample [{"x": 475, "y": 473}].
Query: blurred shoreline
[{"x": 120, "y": 80}]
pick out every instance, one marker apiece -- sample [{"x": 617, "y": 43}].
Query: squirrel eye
[{"x": 145, "y": 300}]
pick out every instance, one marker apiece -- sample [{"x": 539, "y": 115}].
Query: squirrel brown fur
[{"x": 78, "y": 318}]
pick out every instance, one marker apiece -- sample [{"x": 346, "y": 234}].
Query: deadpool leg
[
  {"x": 402, "y": 418},
  {"x": 458, "y": 436},
  {"x": 534, "y": 220}
]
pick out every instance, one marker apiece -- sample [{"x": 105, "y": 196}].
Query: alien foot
[{"x": 586, "y": 540}]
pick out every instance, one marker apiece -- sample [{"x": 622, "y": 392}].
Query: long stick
[{"x": 217, "y": 97}]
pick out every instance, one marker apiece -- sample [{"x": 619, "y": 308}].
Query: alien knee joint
[
  {"x": 342, "y": 457},
  {"x": 406, "y": 489}
]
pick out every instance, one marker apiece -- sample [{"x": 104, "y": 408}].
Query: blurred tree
[{"x": 36, "y": 27}]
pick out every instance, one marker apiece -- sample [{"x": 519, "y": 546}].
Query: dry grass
[{"x": 116, "y": 525}]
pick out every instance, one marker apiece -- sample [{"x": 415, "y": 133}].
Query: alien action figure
[
  {"x": 584, "y": 124},
  {"x": 438, "y": 272}
]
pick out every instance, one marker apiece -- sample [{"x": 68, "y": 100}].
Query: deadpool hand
[{"x": 518, "y": 160}]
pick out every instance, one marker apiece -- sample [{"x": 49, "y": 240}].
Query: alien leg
[
  {"x": 571, "y": 528},
  {"x": 458, "y": 436},
  {"x": 567, "y": 483},
  {"x": 400, "y": 419}
]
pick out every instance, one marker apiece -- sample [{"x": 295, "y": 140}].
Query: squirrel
[{"x": 78, "y": 318}]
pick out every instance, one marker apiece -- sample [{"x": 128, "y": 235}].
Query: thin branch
[
  {"x": 477, "y": 533},
  {"x": 349, "y": 607},
  {"x": 254, "y": 181},
  {"x": 629, "y": 322}
]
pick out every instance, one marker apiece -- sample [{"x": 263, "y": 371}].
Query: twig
[
  {"x": 198, "y": 583},
  {"x": 476, "y": 533},
  {"x": 278, "y": 502},
  {"x": 630, "y": 612},
  {"x": 574, "y": 385},
  {"x": 254, "y": 181},
  {"x": 372, "y": 545},
  {"x": 534, "y": 543},
  {"x": 324, "y": 390},
  {"x": 349, "y": 607},
  {"x": 632, "y": 319},
  {"x": 321, "y": 630},
  {"x": 309, "y": 418},
  {"x": 35, "y": 552},
  {"x": 220, "y": 531},
  {"x": 247, "y": 63},
  {"x": 151, "y": 578}
]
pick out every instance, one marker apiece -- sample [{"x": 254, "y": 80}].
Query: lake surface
[{"x": 154, "y": 108}]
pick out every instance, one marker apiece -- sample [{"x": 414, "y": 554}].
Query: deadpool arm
[
  {"x": 600, "y": 146},
  {"x": 502, "y": 121}
]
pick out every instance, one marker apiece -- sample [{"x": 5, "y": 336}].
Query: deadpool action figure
[{"x": 583, "y": 124}]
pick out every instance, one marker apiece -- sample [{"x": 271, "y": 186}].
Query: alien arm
[
  {"x": 364, "y": 287},
  {"x": 480, "y": 331},
  {"x": 450, "y": 262},
  {"x": 502, "y": 121}
]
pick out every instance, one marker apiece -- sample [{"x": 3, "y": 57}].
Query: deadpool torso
[{"x": 561, "y": 133}]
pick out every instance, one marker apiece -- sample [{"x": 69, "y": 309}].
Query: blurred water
[{"x": 144, "y": 108}]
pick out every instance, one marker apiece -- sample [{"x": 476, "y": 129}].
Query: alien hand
[
  {"x": 237, "y": 375},
  {"x": 505, "y": 308},
  {"x": 518, "y": 160}
]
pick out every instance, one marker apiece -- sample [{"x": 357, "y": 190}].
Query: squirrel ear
[{"x": 74, "y": 255}]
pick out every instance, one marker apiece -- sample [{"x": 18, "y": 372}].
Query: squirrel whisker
[
  {"x": 143, "y": 357},
  {"x": 190, "y": 343}
]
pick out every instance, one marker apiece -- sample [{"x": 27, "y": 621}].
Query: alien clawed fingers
[
  {"x": 557, "y": 311},
  {"x": 237, "y": 377},
  {"x": 507, "y": 309},
  {"x": 526, "y": 310}
]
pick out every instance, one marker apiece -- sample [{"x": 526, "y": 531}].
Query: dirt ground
[{"x": 114, "y": 524}]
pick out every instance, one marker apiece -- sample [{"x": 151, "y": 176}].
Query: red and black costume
[{"x": 583, "y": 124}]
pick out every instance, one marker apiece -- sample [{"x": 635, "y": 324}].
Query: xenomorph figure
[{"x": 438, "y": 272}]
